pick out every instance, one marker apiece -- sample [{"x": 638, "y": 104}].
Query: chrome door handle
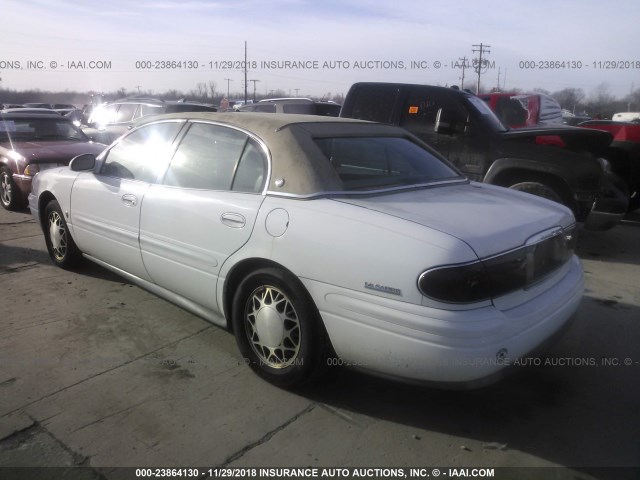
[
  {"x": 129, "y": 200},
  {"x": 233, "y": 220}
]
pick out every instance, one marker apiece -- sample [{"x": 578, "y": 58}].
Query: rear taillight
[
  {"x": 466, "y": 283},
  {"x": 499, "y": 275}
]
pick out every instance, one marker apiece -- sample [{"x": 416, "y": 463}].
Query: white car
[{"x": 321, "y": 241}]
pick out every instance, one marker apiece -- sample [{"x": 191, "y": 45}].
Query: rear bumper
[
  {"x": 23, "y": 187},
  {"x": 447, "y": 348},
  {"x": 611, "y": 205}
]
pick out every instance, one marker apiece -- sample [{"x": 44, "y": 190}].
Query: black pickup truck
[{"x": 464, "y": 129}]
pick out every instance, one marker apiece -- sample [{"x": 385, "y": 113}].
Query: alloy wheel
[
  {"x": 57, "y": 235},
  {"x": 272, "y": 327}
]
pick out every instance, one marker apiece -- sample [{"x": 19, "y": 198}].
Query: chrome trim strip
[{"x": 333, "y": 193}]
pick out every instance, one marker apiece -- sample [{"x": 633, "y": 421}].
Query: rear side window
[
  {"x": 375, "y": 103},
  {"x": 250, "y": 174},
  {"x": 378, "y": 162},
  {"x": 303, "y": 108},
  {"x": 328, "y": 109},
  {"x": 267, "y": 108},
  {"x": 206, "y": 158},
  {"x": 143, "y": 154},
  {"x": 146, "y": 110}
]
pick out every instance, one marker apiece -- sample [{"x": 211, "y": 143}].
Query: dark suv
[
  {"x": 110, "y": 120},
  {"x": 304, "y": 106}
]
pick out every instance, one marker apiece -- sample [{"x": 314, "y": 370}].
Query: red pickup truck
[
  {"x": 524, "y": 109},
  {"x": 623, "y": 153}
]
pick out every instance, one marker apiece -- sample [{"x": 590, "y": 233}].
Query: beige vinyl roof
[{"x": 295, "y": 158}]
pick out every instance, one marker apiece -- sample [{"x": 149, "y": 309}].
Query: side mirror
[
  {"x": 446, "y": 122},
  {"x": 83, "y": 163}
]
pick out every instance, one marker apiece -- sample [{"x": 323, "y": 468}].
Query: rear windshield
[
  {"x": 364, "y": 163},
  {"x": 35, "y": 129}
]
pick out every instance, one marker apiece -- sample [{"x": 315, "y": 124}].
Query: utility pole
[
  {"x": 254, "y": 89},
  {"x": 480, "y": 49},
  {"x": 245, "y": 72},
  {"x": 138, "y": 87},
  {"x": 498, "y": 86},
  {"x": 464, "y": 66},
  {"x": 297, "y": 90},
  {"x": 228, "y": 82}
]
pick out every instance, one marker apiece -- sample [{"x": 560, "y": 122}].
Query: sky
[{"x": 317, "y": 48}]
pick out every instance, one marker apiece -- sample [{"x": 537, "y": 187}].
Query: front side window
[
  {"x": 422, "y": 107},
  {"x": 487, "y": 114},
  {"x": 512, "y": 110},
  {"x": 378, "y": 162},
  {"x": 206, "y": 158},
  {"x": 143, "y": 154},
  {"x": 126, "y": 112},
  {"x": 104, "y": 114}
]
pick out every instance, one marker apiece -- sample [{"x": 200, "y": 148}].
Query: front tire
[
  {"x": 278, "y": 329},
  {"x": 9, "y": 197},
  {"x": 61, "y": 247}
]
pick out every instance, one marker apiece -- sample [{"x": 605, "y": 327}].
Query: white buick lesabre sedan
[{"x": 319, "y": 240}]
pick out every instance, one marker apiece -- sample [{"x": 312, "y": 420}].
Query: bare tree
[
  {"x": 633, "y": 101},
  {"x": 601, "y": 102},
  {"x": 201, "y": 91},
  {"x": 569, "y": 98},
  {"x": 212, "y": 89}
]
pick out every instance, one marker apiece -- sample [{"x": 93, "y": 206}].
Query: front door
[{"x": 105, "y": 206}]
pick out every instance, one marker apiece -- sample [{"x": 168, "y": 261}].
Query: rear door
[
  {"x": 105, "y": 206},
  {"x": 203, "y": 211}
]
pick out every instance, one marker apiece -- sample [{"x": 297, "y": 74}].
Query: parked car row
[
  {"x": 304, "y": 106},
  {"x": 110, "y": 120}
]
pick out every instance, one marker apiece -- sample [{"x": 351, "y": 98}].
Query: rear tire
[
  {"x": 278, "y": 329},
  {"x": 61, "y": 247},
  {"x": 538, "y": 189}
]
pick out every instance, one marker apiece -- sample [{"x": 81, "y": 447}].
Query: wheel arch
[
  {"x": 43, "y": 200},
  {"x": 506, "y": 175},
  {"x": 239, "y": 272}
]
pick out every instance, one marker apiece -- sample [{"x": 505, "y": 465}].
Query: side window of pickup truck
[
  {"x": 421, "y": 110},
  {"x": 375, "y": 103}
]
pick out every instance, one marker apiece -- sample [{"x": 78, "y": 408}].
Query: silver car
[{"x": 321, "y": 241}]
